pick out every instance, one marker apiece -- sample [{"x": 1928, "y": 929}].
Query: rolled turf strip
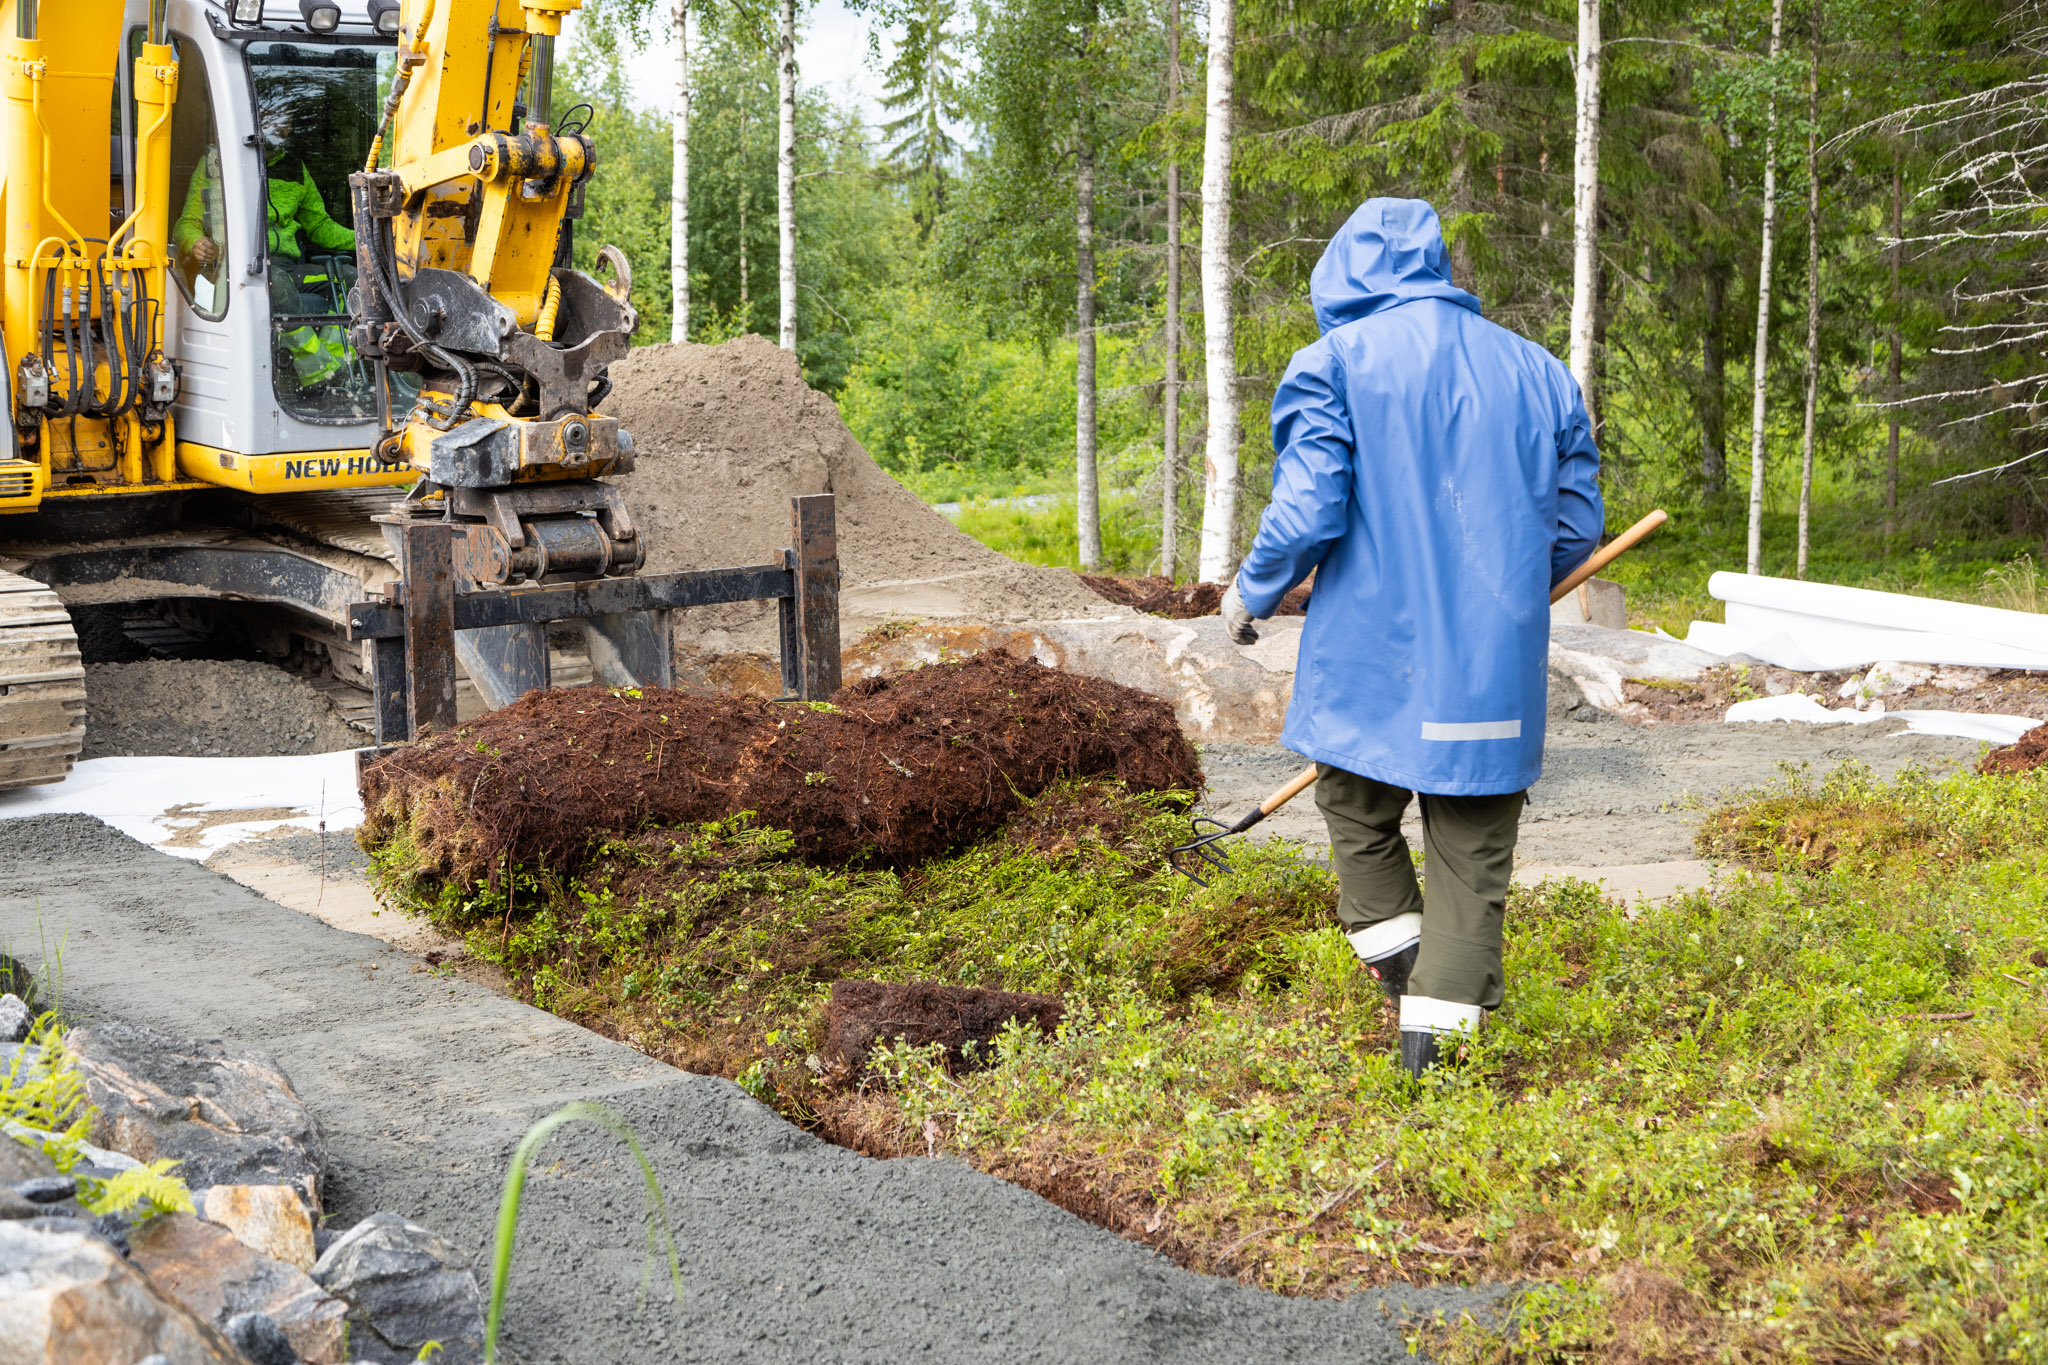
[
  {"x": 964, "y": 1020},
  {"x": 891, "y": 772}
]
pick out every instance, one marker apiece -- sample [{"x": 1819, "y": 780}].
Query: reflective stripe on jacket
[{"x": 1438, "y": 473}]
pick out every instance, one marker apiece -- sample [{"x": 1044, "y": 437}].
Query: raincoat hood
[{"x": 1388, "y": 252}]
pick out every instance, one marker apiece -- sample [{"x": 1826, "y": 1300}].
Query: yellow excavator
[{"x": 293, "y": 348}]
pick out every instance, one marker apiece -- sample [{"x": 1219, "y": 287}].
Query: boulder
[
  {"x": 16, "y": 1018},
  {"x": 228, "y": 1116},
  {"x": 21, "y": 1161},
  {"x": 15, "y": 978},
  {"x": 29, "y": 1182},
  {"x": 405, "y": 1287},
  {"x": 268, "y": 1219},
  {"x": 67, "y": 1298},
  {"x": 256, "y": 1336},
  {"x": 95, "y": 1161},
  {"x": 205, "y": 1268}
]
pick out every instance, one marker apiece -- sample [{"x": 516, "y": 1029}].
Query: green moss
[{"x": 1784, "y": 1118}]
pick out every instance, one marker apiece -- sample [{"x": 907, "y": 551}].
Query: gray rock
[
  {"x": 405, "y": 1286},
  {"x": 258, "y": 1337},
  {"x": 214, "y": 1275},
  {"x": 67, "y": 1296},
  {"x": 16, "y": 1018},
  {"x": 228, "y": 1116},
  {"x": 16, "y": 1206},
  {"x": 1635, "y": 653},
  {"x": 1596, "y": 603},
  {"x": 21, "y": 1161},
  {"x": 46, "y": 1189}
]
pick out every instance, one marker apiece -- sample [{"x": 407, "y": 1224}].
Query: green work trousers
[{"x": 1468, "y": 847}]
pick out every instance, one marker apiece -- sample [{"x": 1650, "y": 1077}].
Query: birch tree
[
  {"x": 1219, "y": 500},
  {"x": 1088, "y": 499},
  {"x": 785, "y": 169},
  {"x": 679, "y": 185},
  {"x": 1169, "y": 466},
  {"x": 1812, "y": 289},
  {"x": 1586, "y": 202},
  {"x": 1759, "y": 372}
]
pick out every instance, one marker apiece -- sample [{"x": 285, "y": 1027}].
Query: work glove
[{"x": 1237, "y": 621}]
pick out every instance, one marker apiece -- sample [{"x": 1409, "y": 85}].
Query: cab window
[
  {"x": 200, "y": 220},
  {"x": 317, "y": 107}
]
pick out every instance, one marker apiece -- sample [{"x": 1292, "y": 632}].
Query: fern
[
  {"x": 43, "y": 1104},
  {"x": 151, "y": 1186},
  {"x": 42, "y": 1090}
]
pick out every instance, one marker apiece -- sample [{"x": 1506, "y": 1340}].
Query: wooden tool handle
[
  {"x": 1300, "y": 783},
  {"x": 1608, "y": 553}
]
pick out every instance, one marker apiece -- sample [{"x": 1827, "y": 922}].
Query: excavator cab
[{"x": 272, "y": 118}]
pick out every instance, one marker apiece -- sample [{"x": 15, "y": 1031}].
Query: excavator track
[{"x": 42, "y": 686}]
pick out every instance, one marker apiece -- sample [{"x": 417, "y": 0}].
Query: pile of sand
[
  {"x": 231, "y": 708},
  {"x": 726, "y": 435}
]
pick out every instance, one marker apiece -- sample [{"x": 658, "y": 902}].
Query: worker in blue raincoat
[{"x": 1438, "y": 474}]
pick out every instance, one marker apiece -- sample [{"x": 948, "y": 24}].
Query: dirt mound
[
  {"x": 864, "y": 1014},
  {"x": 230, "y": 708},
  {"x": 896, "y": 769},
  {"x": 2028, "y": 752},
  {"x": 726, "y": 435},
  {"x": 1160, "y": 596}
]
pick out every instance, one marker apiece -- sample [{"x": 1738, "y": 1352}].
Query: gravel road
[
  {"x": 792, "y": 1249},
  {"x": 1611, "y": 792}
]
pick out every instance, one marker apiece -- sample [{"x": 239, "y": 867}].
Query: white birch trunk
[
  {"x": 1812, "y": 296},
  {"x": 1758, "y": 406},
  {"x": 1586, "y": 201},
  {"x": 1169, "y": 467},
  {"x": 1088, "y": 498},
  {"x": 1219, "y": 501},
  {"x": 785, "y": 172},
  {"x": 679, "y": 194}
]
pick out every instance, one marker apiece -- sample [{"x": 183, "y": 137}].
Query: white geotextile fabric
[
  {"x": 1802, "y": 706},
  {"x": 1816, "y": 626},
  {"x": 187, "y": 806}
]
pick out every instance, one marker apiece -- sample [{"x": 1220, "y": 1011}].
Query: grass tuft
[{"x": 660, "y": 1232}]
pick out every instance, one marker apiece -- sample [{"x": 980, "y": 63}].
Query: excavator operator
[{"x": 298, "y": 223}]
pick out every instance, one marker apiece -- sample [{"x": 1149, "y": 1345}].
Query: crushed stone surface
[
  {"x": 1612, "y": 793},
  {"x": 725, "y": 435},
  {"x": 223, "y": 708},
  {"x": 792, "y": 1249}
]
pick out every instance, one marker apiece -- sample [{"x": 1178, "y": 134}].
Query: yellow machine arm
[
  {"x": 462, "y": 281},
  {"x": 81, "y": 312}
]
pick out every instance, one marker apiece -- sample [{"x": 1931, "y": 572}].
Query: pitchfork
[{"x": 1187, "y": 858}]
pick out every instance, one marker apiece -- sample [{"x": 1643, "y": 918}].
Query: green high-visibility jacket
[{"x": 295, "y": 206}]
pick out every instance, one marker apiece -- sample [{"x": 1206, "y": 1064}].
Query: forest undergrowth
[{"x": 1796, "y": 1116}]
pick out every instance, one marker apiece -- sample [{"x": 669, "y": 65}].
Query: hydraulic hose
[
  {"x": 465, "y": 373},
  {"x": 550, "y": 309},
  {"x": 415, "y": 56}
]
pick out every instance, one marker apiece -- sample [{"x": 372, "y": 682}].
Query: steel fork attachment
[
  {"x": 1201, "y": 854},
  {"x": 1187, "y": 858}
]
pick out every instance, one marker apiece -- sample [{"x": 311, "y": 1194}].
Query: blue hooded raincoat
[{"x": 1438, "y": 472}]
